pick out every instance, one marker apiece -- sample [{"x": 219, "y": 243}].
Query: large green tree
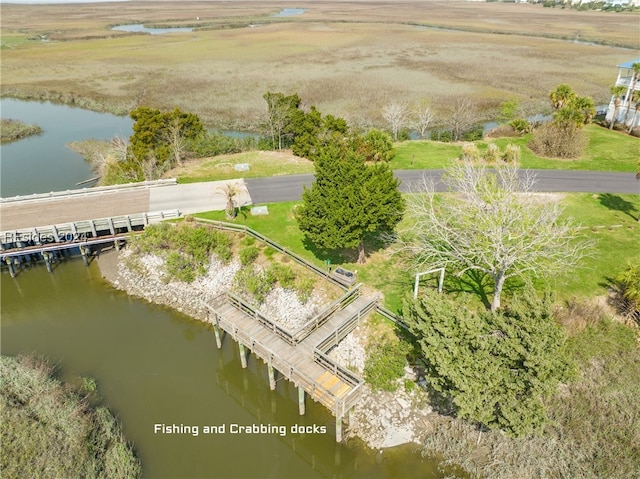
[
  {"x": 349, "y": 202},
  {"x": 497, "y": 368},
  {"x": 162, "y": 136}
]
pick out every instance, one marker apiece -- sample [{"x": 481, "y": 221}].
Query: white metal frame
[{"x": 440, "y": 281}]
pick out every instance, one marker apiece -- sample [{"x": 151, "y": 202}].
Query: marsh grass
[
  {"x": 12, "y": 130},
  {"x": 50, "y": 430},
  {"x": 347, "y": 59}
]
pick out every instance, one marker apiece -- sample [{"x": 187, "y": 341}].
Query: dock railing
[
  {"x": 297, "y": 258},
  {"x": 315, "y": 389},
  {"x": 319, "y": 319},
  {"x": 244, "y": 306}
]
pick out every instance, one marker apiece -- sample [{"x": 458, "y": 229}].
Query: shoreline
[{"x": 380, "y": 419}]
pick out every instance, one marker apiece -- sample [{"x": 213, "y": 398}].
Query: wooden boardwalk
[{"x": 306, "y": 362}]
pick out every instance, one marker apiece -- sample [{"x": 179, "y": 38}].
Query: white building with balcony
[{"x": 627, "y": 102}]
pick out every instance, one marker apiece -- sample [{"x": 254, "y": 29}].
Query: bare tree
[
  {"x": 175, "y": 138},
  {"x": 279, "y": 110},
  {"x": 423, "y": 118},
  {"x": 150, "y": 168},
  {"x": 460, "y": 115},
  {"x": 395, "y": 113},
  {"x": 492, "y": 225}
]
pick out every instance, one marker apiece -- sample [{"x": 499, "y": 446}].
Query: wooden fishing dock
[{"x": 300, "y": 356}]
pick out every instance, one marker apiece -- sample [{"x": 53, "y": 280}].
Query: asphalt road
[
  {"x": 197, "y": 197},
  {"x": 289, "y": 188}
]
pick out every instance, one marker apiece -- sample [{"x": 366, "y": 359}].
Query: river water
[
  {"x": 42, "y": 163},
  {"x": 156, "y": 366}
]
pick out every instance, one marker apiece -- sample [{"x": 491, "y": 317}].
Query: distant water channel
[
  {"x": 154, "y": 365},
  {"x": 140, "y": 28},
  {"x": 290, "y": 12}
]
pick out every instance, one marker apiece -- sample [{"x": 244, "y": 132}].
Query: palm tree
[
  {"x": 586, "y": 107},
  {"x": 635, "y": 97},
  {"x": 230, "y": 190},
  {"x": 616, "y": 91},
  {"x": 629, "y": 283},
  {"x": 562, "y": 96}
]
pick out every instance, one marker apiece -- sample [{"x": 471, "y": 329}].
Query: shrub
[
  {"x": 474, "y": 134},
  {"x": 497, "y": 368},
  {"x": 628, "y": 292},
  {"x": 213, "y": 143},
  {"x": 444, "y": 136},
  {"x": 493, "y": 154},
  {"x": 511, "y": 153},
  {"x": 180, "y": 267},
  {"x": 248, "y": 241},
  {"x": 521, "y": 126},
  {"x": 304, "y": 288},
  {"x": 255, "y": 283},
  {"x": 502, "y": 131},
  {"x": 248, "y": 255},
  {"x": 385, "y": 363},
  {"x": 470, "y": 152},
  {"x": 284, "y": 274},
  {"x": 558, "y": 140},
  {"x": 186, "y": 247}
]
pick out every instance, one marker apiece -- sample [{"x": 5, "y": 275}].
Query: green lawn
[
  {"x": 261, "y": 164},
  {"x": 609, "y": 220},
  {"x": 606, "y": 151}
]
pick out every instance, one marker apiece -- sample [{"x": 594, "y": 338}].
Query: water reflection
[
  {"x": 290, "y": 12},
  {"x": 140, "y": 28},
  {"x": 44, "y": 163},
  {"x": 150, "y": 372}
]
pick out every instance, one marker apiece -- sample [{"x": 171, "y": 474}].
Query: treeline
[{"x": 162, "y": 140}]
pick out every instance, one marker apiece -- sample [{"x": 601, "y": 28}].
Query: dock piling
[
  {"x": 12, "y": 270},
  {"x": 243, "y": 355},
  {"x": 216, "y": 330},
  {"x": 47, "y": 259},
  {"x": 339, "y": 428},
  {"x": 272, "y": 377},
  {"x": 84, "y": 253},
  {"x": 301, "y": 400}
]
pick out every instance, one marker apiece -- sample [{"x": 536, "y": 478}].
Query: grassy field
[
  {"x": 261, "y": 164},
  {"x": 606, "y": 151},
  {"x": 609, "y": 220},
  {"x": 349, "y": 59}
]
